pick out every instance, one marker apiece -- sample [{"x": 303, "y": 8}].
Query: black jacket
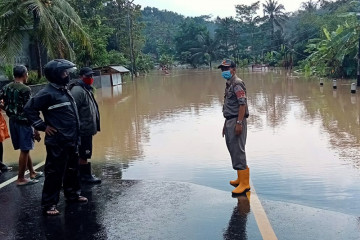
[
  {"x": 87, "y": 108},
  {"x": 59, "y": 110}
]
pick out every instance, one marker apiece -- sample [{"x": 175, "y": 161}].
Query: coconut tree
[
  {"x": 274, "y": 14},
  {"x": 309, "y": 6},
  {"x": 224, "y": 33},
  {"x": 49, "y": 22},
  {"x": 208, "y": 49},
  {"x": 247, "y": 15}
]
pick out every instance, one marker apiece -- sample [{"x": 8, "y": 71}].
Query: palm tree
[
  {"x": 274, "y": 15},
  {"x": 309, "y": 6},
  {"x": 247, "y": 14},
  {"x": 50, "y": 23},
  {"x": 224, "y": 33},
  {"x": 208, "y": 49}
]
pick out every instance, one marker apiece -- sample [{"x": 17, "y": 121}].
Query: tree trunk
[
  {"x": 358, "y": 66},
  {"x": 272, "y": 31},
  {"x": 38, "y": 58},
  {"x": 37, "y": 44},
  {"x": 131, "y": 44}
]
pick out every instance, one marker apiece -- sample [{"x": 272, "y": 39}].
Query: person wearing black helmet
[{"x": 61, "y": 126}]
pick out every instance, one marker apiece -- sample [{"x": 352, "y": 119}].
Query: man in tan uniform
[{"x": 235, "y": 111}]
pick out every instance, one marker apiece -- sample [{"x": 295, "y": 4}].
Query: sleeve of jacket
[
  {"x": 78, "y": 94},
  {"x": 25, "y": 96},
  {"x": 33, "y": 107},
  {"x": 3, "y": 92}
]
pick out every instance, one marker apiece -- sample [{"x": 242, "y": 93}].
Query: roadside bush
[
  {"x": 33, "y": 78},
  {"x": 7, "y": 69}
]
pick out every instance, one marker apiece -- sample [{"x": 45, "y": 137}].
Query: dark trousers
[{"x": 61, "y": 169}]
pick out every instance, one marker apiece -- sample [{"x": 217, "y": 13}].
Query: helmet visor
[{"x": 71, "y": 70}]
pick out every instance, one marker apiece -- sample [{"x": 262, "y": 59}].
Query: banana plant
[{"x": 328, "y": 54}]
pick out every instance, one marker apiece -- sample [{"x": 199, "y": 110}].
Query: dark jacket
[
  {"x": 87, "y": 108},
  {"x": 59, "y": 110}
]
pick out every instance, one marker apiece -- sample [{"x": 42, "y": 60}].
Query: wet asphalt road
[{"x": 120, "y": 209}]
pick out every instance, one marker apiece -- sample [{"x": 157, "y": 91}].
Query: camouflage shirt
[{"x": 15, "y": 95}]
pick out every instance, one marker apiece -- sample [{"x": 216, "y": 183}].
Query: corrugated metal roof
[{"x": 120, "y": 69}]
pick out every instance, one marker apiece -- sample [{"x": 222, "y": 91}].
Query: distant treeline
[{"x": 320, "y": 38}]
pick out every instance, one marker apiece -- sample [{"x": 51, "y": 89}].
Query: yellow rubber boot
[
  {"x": 244, "y": 176},
  {"x": 236, "y": 182}
]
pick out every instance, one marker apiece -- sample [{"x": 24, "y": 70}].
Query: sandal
[
  {"x": 27, "y": 182},
  {"x": 51, "y": 211},
  {"x": 38, "y": 175},
  {"x": 79, "y": 199}
]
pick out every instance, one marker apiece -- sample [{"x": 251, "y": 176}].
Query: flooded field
[{"x": 303, "y": 140}]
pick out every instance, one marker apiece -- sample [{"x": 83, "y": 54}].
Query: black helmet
[{"x": 55, "y": 68}]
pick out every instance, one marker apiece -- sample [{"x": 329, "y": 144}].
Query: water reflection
[
  {"x": 275, "y": 96},
  {"x": 237, "y": 224},
  {"x": 126, "y": 116}
]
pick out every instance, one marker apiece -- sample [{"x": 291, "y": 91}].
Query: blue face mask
[{"x": 226, "y": 74}]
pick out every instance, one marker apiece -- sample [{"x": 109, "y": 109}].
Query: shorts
[
  {"x": 85, "y": 148},
  {"x": 22, "y": 136}
]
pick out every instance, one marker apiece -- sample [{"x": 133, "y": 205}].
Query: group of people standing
[{"x": 70, "y": 120}]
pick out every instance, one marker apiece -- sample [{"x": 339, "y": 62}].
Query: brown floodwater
[{"x": 303, "y": 141}]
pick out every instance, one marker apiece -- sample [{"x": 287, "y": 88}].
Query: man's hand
[
  {"x": 238, "y": 129},
  {"x": 223, "y": 130},
  {"x": 37, "y": 136},
  {"x": 50, "y": 131}
]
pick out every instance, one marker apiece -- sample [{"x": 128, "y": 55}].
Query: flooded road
[{"x": 303, "y": 141}]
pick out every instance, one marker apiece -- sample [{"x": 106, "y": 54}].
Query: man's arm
[
  {"x": 78, "y": 94},
  {"x": 32, "y": 110},
  {"x": 2, "y": 95},
  {"x": 242, "y": 99}
]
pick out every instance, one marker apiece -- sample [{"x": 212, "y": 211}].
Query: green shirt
[{"x": 15, "y": 96}]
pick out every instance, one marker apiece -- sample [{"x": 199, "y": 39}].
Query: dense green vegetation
[{"x": 320, "y": 38}]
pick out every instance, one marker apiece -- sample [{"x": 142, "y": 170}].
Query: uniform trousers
[{"x": 236, "y": 144}]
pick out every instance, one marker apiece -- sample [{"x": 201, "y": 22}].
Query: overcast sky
[{"x": 222, "y": 8}]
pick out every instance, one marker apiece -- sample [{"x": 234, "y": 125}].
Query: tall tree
[
  {"x": 127, "y": 38},
  {"x": 208, "y": 49},
  {"x": 247, "y": 15},
  {"x": 274, "y": 14},
  {"x": 94, "y": 23},
  {"x": 228, "y": 34},
  {"x": 49, "y": 22},
  {"x": 186, "y": 39},
  {"x": 309, "y": 6}
]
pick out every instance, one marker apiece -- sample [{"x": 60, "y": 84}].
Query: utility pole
[{"x": 132, "y": 60}]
